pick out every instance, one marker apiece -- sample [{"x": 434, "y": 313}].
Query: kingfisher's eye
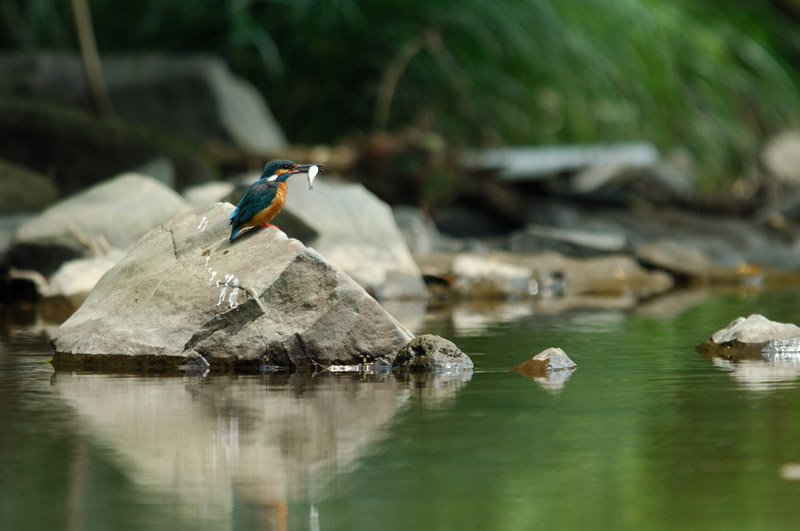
[{"x": 287, "y": 166}]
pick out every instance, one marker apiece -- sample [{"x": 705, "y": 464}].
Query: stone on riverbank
[
  {"x": 75, "y": 279},
  {"x": 209, "y": 193},
  {"x": 186, "y": 293},
  {"x": 194, "y": 97},
  {"x": 508, "y": 276},
  {"x": 419, "y": 231},
  {"x": 572, "y": 242},
  {"x": 111, "y": 214},
  {"x": 781, "y": 157}
]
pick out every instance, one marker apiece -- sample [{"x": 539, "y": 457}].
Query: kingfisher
[{"x": 265, "y": 198}]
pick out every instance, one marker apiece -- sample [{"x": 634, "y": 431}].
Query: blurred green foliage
[{"x": 713, "y": 77}]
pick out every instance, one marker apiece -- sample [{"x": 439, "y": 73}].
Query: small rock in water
[
  {"x": 547, "y": 361},
  {"x": 754, "y": 337},
  {"x": 755, "y": 329},
  {"x": 431, "y": 353}
]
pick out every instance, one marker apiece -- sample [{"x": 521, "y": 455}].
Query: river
[{"x": 644, "y": 434}]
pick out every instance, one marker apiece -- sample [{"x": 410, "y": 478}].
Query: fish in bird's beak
[{"x": 311, "y": 170}]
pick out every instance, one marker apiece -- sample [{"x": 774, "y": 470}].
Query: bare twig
[
  {"x": 449, "y": 66},
  {"x": 94, "y": 247},
  {"x": 431, "y": 41},
  {"x": 91, "y": 57},
  {"x": 391, "y": 77}
]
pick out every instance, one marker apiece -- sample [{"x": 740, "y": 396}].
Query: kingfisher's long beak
[{"x": 303, "y": 168}]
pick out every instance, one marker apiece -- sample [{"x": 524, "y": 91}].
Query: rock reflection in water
[
  {"x": 760, "y": 375},
  {"x": 554, "y": 382},
  {"x": 757, "y": 364},
  {"x": 216, "y": 444}
]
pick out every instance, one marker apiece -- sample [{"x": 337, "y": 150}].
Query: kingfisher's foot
[{"x": 265, "y": 225}]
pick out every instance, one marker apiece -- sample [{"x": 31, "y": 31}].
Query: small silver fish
[{"x": 312, "y": 172}]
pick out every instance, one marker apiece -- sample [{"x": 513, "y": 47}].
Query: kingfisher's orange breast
[{"x": 266, "y": 215}]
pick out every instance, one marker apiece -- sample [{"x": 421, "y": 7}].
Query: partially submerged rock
[
  {"x": 550, "y": 369},
  {"x": 748, "y": 338},
  {"x": 186, "y": 294},
  {"x": 431, "y": 353},
  {"x": 111, "y": 214},
  {"x": 755, "y": 329},
  {"x": 543, "y": 364}
]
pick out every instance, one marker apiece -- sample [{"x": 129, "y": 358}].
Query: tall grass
[{"x": 681, "y": 73}]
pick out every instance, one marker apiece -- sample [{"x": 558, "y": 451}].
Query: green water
[{"x": 645, "y": 434}]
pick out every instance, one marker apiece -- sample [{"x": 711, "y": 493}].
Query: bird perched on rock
[{"x": 265, "y": 198}]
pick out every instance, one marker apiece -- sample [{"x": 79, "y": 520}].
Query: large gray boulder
[
  {"x": 194, "y": 97},
  {"x": 111, "y": 214},
  {"x": 186, "y": 294}
]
